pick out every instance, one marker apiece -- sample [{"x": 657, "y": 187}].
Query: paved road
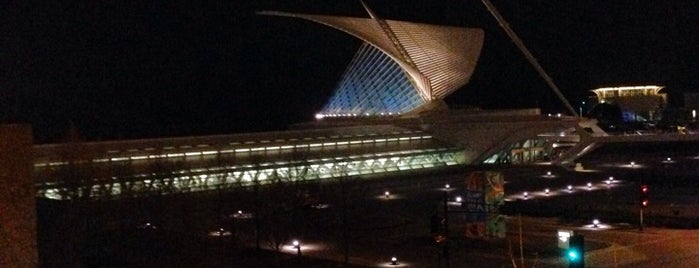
[{"x": 380, "y": 227}]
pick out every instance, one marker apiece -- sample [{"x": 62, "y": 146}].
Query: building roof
[{"x": 417, "y": 63}]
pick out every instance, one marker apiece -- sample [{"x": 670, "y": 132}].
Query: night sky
[{"x": 130, "y": 69}]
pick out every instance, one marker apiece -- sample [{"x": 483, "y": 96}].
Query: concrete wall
[{"x": 18, "y": 238}]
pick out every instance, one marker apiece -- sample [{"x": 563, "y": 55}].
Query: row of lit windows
[
  {"x": 275, "y": 148},
  {"x": 408, "y": 161},
  {"x": 186, "y": 146}
]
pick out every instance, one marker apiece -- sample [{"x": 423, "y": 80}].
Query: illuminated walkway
[
  {"x": 326, "y": 150},
  {"x": 105, "y": 170}
]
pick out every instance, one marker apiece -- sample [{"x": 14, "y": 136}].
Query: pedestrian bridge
[{"x": 328, "y": 150}]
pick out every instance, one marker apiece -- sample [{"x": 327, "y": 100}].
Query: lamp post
[
  {"x": 445, "y": 247},
  {"x": 297, "y": 246}
]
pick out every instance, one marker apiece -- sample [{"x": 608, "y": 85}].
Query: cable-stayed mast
[{"x": 518, "y": 42}]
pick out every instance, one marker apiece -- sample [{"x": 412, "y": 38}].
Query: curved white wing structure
[{"x": 433, "y": 60}]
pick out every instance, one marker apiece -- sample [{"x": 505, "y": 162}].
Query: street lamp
[
  {"x": 595, "y": 223},
  {"x": 458, "y": 199},
  {"x": 297, "y": 246},
  {"x": 446, "y": 186},
  {"x": 570, "y": 188},
  {"x": 547, "y": 191},
  {"x": 386, "y": 194},
  {"x": 526, "y": 195},
  {"x": 394, "y": 261},
  {"x": 589, "y": 185}
]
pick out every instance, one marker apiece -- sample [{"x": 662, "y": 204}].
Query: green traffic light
[
  {"x": 576, "y": 252},
  {"x": 572, "y": 255}
]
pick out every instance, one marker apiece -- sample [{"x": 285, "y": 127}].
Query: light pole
[
  {"x": 445, "y": 249},
  {"x": 297, "y": 246}
]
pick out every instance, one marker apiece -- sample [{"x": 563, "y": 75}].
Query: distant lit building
[
  {"x": 401, "y": 68},
  {"x": 637, "y": 103}
]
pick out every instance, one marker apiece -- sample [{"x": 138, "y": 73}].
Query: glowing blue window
[{"x": 373, "y": 84}]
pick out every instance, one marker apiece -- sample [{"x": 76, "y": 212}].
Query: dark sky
[{"x": 130, "y": 69}]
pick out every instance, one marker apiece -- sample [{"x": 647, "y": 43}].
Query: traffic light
[
  {"x": 576, "y": 252},
  {"x": 643, "y": 200}
]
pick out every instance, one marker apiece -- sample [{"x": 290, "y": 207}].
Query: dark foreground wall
[{"x": 18, "y": 243}]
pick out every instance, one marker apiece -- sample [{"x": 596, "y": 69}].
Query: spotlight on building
[
  {"x": 570, "y": 188},
  {"x": 589, "y": 185},
  {"x": 547, "y": 191},
  {"x": 595, "y": 223},
  {"x": 526, "y": 195},
  {"x": 386, "y": 194},
  {"x": 394, "y": 261}
]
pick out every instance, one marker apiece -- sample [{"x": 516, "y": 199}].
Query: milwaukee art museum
[
  {"x": 401, "y": 67},
  {"x": 386, "y": 117}
]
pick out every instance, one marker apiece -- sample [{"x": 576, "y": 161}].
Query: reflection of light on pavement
[
  {"x": 242, "y": 215},
  {"x": 399, "y": 263},
  {"x": 220, "y": 232},
  {"x": 305, "y": 247},
  {"x": 448, "y": 189},
  {"x": 454, "y": 203},
  {"x": 390, "y": 196},
  {"x": 148, "y": 226},
  {"x": 320, "y": 206},
  {"x": 549, "y": 175},
  {"x": 569, "y": 189},
  {"x": 600, "y": 226},
  {"x": 631, "y": 165}
]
